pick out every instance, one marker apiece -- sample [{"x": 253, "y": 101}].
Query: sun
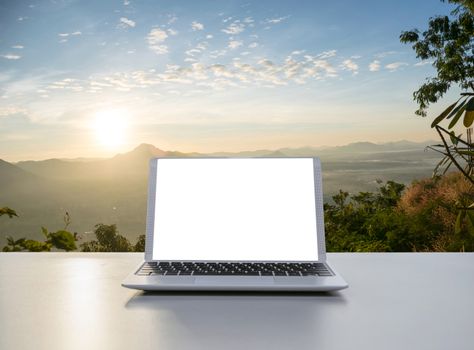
[{"x": 110, "y": 127}]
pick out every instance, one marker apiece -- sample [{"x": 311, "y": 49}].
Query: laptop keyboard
[{"x": 233, "y": 269}]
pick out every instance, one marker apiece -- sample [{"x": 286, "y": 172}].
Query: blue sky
[{"x": 93, "y": 78}]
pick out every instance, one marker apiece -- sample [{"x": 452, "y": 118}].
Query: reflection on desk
[{"x": 396, "y": 301}]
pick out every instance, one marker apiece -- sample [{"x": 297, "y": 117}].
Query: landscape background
[
  {"x": 91, "y": 90},
  {"x": 113, "y": 190}
]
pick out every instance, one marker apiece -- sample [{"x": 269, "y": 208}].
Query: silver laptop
[{"x": 235, "y": 224}]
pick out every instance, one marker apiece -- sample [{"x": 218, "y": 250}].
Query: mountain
[
  {"x": 114, "y": 190},
  {"x": 10, "y": 173},
  {"x": 130, "y": 164}
]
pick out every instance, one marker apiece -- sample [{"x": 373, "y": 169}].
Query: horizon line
[{"x": 321, "y": 147}]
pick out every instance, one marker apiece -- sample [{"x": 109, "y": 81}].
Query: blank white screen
[{"x": 235, "y": 209}]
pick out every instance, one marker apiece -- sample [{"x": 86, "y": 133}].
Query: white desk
[{"x": 394, "y": 301}]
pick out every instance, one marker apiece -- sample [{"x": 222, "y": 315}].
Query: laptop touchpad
[
  {"x": 176, "y": 280},
  {"x": 233, "y": 280}
]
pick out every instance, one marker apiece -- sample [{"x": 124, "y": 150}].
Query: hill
[{"x": 114, "y": 190}]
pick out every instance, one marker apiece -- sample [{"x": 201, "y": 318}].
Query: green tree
[
  {"x": 108, "y": 240},
  {"x": 361, "y": 222},
  {"x": 450, "y": 43},
  {"x": 61, "y": 239},
  {"x": 140, "y": 245}
]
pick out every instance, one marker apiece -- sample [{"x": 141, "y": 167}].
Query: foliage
[
  {"x": 420, "y": 218},
  {"x": 108, "y": 240},
  {"x": 450, "y": 43},
  {"x": 140, "y": 245},
  {"x": 432, "y": 214},
  {"x": 60, "y": 239},
  {"x": 8, "y": 211},
  {"x": 358, "y": 222},
  {"x": 441, "y": 204},
  {"x": 455, "y": 150}
]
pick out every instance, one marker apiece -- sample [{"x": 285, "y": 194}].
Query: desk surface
[{"x": 394, "y": 301}]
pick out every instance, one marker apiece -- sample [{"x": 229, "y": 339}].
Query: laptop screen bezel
[{"x": 318, "y": 197}]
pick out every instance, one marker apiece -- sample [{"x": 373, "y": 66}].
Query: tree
[
  {"x": 450, "y": 43},
  {"x": 140, "y": 245},
  {"x": 108, "y": 240},
  {"x": 366, "y": 221},
  {"x": 61, "y": 239}
]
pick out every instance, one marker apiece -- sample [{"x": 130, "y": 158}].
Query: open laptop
[{"x": 235, "y": 224}]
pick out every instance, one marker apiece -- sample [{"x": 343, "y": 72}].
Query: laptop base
[{"x": 235, "y": 283}]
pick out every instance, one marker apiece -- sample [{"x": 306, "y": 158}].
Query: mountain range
[{"x": 113, "y": 190}]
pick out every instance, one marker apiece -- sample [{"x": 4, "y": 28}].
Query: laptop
[{"x": 236, "y": 224}]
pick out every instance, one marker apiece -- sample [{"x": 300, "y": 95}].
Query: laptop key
[
  {"x": 293, "y": 273},
  {"x": 266, "y": 273},
  {"x": 185, "y": 273},
  {"x": 171, "y": 273},
  {"x": 251, "y": 273},
  {"x": 280, "y": 273}
]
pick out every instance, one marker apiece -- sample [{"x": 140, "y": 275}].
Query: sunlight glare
[{"x": 110, "y": 127}]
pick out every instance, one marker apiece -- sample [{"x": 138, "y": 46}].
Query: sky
[{"x": 94, "y": 78}]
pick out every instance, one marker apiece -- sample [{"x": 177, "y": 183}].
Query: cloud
[
  {"x": 233, "y": 44},
  {"x": 234, "y": 28},
  {"x": 11, "y": 110},
  {"x": 209, "y": 36},
  {"x": 374, "y": 66},
  {"x": 261, "y": 72},
  {"x": 126, "y": 23},
  {"x": 327, "y": 54},
  {"x": 276, "y": 20},
  {"x": 202, "y": 46},
  {"x": 172, "y": 19},
  {"x": 198, "y": 49},
  {"x": 18, "y": 47},
  {"x": 171, "y": 31},
  {"x": 10, "y": 56},
  {"x": 155, "y": 38},
  {"x": 126, "y": 2},
  {"x": 297, "y": 52},
  {"x": 385, "y": 54},
  {"x": 217, "y": 53},
  {"x": 423, "y": 63},
  {"x": 312, "y": 67},
  {"x": 197, "y": 26},
  {"x": 64, "y": 36},
  {"x": 21, "y": 19},
  {"x": 351, "y": 66},
  {"x": 395, "y": 65},
  {"x": 253, "y": 45},
  {"x": 192, "y": 52}
]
